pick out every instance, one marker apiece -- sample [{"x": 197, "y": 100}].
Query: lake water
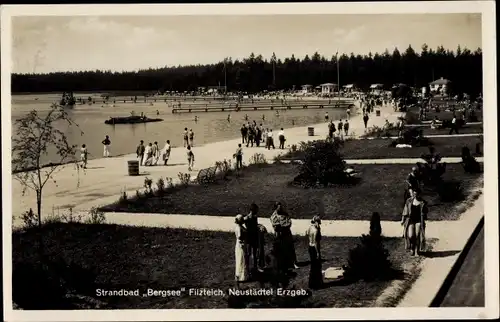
[{"x": 211, "y": 127}]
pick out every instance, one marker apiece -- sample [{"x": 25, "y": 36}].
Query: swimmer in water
[
  {"x": 293, "y": 122},
  {"x": 263, "y": 117},
  {"x": 246, "y": 117},
  {"x": 277, "y": 113},
  {"x": 196, "y": 119},
  {"x": 229, "y": 117},
  {"x": 157, "y": 112}
]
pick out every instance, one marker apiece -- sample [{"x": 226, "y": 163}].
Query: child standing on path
[
  {"x": 239, "y": 157},
  {"x": 346, "y": 127},
  {"x": 190, "y": 157},
  {"x": 191, "y": 137},
  {"x": 106, "y": 142},
  {"x": 186, "y": 137},
  {"x": 84, "y": 156}
]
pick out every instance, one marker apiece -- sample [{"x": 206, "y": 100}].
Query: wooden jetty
[{"x": 294, "y": 106}]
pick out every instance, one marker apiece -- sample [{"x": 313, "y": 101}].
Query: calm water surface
[{"x": 211, "y": 126}]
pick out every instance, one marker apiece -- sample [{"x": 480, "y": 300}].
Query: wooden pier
[{"x": 294, "y": 106}]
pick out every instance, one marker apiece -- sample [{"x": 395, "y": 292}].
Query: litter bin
[
  {"x": 310, "y": 131},
  {"x": 377, "y": 112},
  {"x": 133, "y": 168}
]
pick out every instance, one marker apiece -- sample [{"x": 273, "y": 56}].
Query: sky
[{"x": 44, "y": 44}]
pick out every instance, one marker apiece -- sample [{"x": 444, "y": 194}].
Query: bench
[{"x": 207, "y": 175}]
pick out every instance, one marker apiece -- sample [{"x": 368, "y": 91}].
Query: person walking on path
[
  {"x": 258, "y": 135},
  {"x": 454, "y": 125},
  {"x": 346, "y": 127},
  {"x": 148, "y": 155},
  {"x": 106, "y": 143},
  {"x": 191, "y": 137},
  {"x": 252, "y": 225},
  {"x": 84, "y": 156},
  {"x": 251, "y": 135},
  {"x": 348, "y": 112},
  {"x": 412, "y": 182},
  {"x": 241, "y": 251},
  {"x": 331, "y": 130},
  {"x": 156, "y": 153},
  {"x": 326, "y": 117},
  {"x": 365, "y": 120},
  {"x": 190, "y": 158},
  {"x": 186, "y": 137},
  {"x": 313, "y": 235},
  {"x": 281, "y": 138},
  {"x": 166, "y": 152},
  {"x": 244, "y": 134},
  {"x": 413, "y": 221},
  {"x": 340, "y": 127},
  {"x": 270, "y": 139},
  {"x": 140, "y": 151},
  {"x": 282, "y": 224},
  {"x": 238, "y": 155}
]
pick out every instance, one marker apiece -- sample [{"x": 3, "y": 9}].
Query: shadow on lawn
[{"x": 440, "y": 254}]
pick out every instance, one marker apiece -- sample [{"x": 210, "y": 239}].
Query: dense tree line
[{"x": 256, "y": 73}]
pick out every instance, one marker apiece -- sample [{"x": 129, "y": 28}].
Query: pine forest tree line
[{"x": 256, "y": 73}]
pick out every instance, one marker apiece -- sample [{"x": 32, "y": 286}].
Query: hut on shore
[
  {"x": 440, "y": 86},
  {"x": 328, "y": 88},
  {"x": 376, "y": 89}
]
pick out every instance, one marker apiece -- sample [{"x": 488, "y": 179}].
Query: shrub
[
  {"x": 148, "y": 185},
  {"x": 95, "y": 216},
  {"x": 258, "y": 158},
  {"x": 29, "y": 219},
  {"x": 160, "y": 185},
  {"x": 413, "y": 137},
  {"x": 450, "y": 191},
  {"x": 322, "y": 164},
  {"x": 225, "y": 167},
  {"x": 369, "y": 260},
  {"x": 184, "y": 178},
  {"x": 138, "y": 195},
  {"x": 169, "y": 182},
  {"x": 123, "y": 198},
  {"x": 69, "y": 217},
  {"x": 470, "y": 163},
  {"x": 278, "y": 159}
]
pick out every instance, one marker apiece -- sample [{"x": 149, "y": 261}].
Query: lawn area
[
  {"x": 466, "y": 129},
  {"x": 412, "y": 115},
  {"x": 122, "y": 257},
  {"x": 381, "y": 189},
  {"x": 380, "y": 149}
]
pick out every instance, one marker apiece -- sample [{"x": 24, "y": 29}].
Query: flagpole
[
  {"x": 338, "y": 76},
  {"x": 225, "y": 78}
]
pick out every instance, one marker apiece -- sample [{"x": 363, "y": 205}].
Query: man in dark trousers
[
  {"x": 454, "y": 125},
  {"x": 140, "y": 151},
  {"x": 365, "y": 120},
  {"x": 252, "y": 225},
  {"x": 244, "y": 133}
]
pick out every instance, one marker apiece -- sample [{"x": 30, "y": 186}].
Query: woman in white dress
[
  {"x": 241, "y": 251},
  {"x": 148, "y": 153}
]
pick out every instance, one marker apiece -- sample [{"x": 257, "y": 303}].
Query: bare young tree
[{"x": 34, "y": 136}]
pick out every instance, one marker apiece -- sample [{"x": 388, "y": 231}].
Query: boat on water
[{"x": 130, "y": 120}]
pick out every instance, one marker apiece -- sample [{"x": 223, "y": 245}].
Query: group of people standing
[
  {"x": 149, "y": 155},
  {"x": 251, "y": 134},
  {"x": 414, "y": 216},
  {"x": 339, "y": 131},
  {"x": 250, "y": 243}
]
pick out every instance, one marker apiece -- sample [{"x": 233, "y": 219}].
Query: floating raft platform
[
  {"x": 130, "y": 120},
  {"x": 344, "y": 104}
]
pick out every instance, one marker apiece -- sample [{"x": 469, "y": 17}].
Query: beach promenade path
[
  {"x": 452, "y": 240},
  {"x": 105, "y": 178},
  {"x": 329, "y": 228}
]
